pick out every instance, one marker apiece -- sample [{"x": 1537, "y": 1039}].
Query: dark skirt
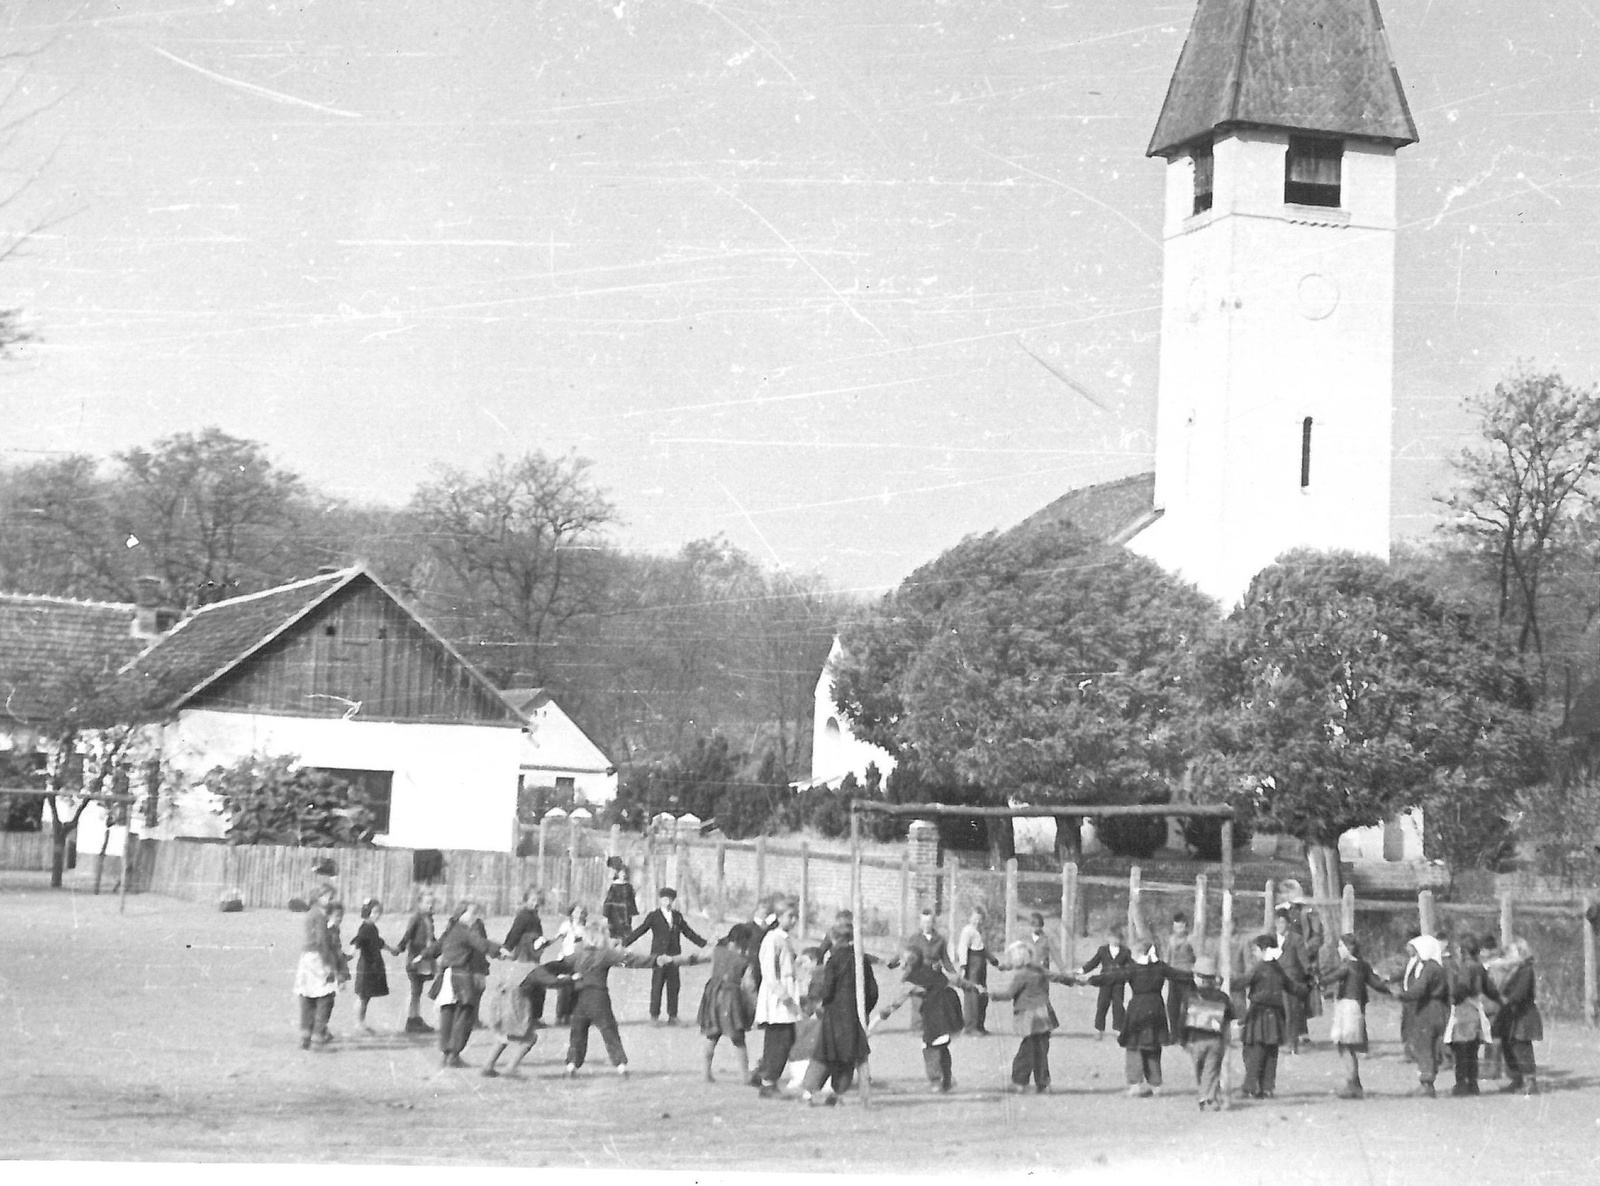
[
  {"x": 941, "y": 1014},
  {"x": 371, "y": 980},
  {"x": 1264, "y": 1025},
  {"x": 724, "y": 1012},
  {"x": 1145, "y": 1024}
]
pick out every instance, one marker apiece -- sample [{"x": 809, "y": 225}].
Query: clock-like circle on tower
[{"x": 1318, "y": 296}]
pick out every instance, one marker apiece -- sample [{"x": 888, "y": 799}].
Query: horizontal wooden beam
[
  {"x": 34, "y": 792},
  {"x": 1092, "y": 810}
]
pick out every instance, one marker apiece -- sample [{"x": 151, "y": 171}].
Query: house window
[
  {"x": 1204, "y": 170},
  {"x": 376, "y": 787},
  {"x": 566, "y": 786},
  {"x": 1312, "y": 171},
  {"x": 1305, "y": 453}
]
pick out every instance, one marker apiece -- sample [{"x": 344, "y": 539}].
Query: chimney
[{"x": 151, "y": 616}]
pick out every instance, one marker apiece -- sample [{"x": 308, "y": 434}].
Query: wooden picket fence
[{"x": 24, "y": 850}]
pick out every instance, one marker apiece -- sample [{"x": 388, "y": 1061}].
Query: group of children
[{"x": 1473, "y": 999}]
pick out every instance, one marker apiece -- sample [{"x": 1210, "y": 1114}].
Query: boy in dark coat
[
  {"x": 1028, "y": 987},
  {"x": 667, "y": 930},
  {"x": 524, "y": 941},
  {"x": 1207, "y": 1012},
  {"x": 1113, "y": 953},
  {"x": 841, "y": 1042},
  {"x": 590, "y": 967}
]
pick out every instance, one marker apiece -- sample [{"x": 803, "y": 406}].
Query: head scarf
[
  {"x": 1427, "y": 949},
  {"x": 1144, "y": 951}
]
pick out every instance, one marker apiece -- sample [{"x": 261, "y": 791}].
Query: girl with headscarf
[
  {"x": 1028, "y": 987},
  {"x": 1144, "y": 1025},
  {"x": 1426, "y": 989},
  {"x": 727, "y": 1008},
  {"x": 1518, "y": 1024},
  {"x": 1470, "y": 992},
  {"x": 1266, "y": 1024},
  {"x": 322, "y": 968},
  {"x": 1350, "y": 982}
]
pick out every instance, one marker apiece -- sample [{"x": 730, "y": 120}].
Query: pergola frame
[{"x": 858, "y": 807}]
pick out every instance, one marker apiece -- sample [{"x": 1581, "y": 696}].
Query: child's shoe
[
  {"x": 572, "y": 1071},
  {"x": 622, "y": 1070}
]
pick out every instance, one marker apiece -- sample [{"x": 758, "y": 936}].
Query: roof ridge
[
  {"x": 340, "y": 574},
  {"x": 58, "y": 600}
]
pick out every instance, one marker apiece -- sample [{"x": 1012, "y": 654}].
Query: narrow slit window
[
  {"x": 1204, "y": 172},
  {"x": 1305, "y": 453},
  {"x": 1313, "y": 171}
]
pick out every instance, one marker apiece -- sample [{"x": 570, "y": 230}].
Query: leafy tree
[
  {"x": 1338, "y": 693},
  {"x": 56, "y": 531},
  {"x": 1037, "y": 665},
  {"x": 1527, "y": 492},
  {"x": 210, "y": 512},
  {"x": 275, "y": 800},
  {"x": 1132, "y": 835},
  {"x": 516, "y": 544}
]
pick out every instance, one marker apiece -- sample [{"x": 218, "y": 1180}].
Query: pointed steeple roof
[{"x": 1306, "y": 65}]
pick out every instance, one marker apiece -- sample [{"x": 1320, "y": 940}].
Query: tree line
[
  {"x": 1041, "y": 666},
  {"x": 516, "y": 563}
]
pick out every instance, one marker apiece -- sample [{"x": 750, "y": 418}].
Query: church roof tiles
[{"x": 1305, "y": 65}]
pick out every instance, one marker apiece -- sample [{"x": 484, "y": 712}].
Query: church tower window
[
  {"x": 1311, "y": 174},
  {"x": 1204, "y": 170},
  {"x": 1305, "y": 453}
]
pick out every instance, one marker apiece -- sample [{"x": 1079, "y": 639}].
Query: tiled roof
[
  {"x": 1306, "y": 65},
  {"x": 53, "y": 651},
  {"x": 1111, "y": 512},
  {"x": 217, "y": 637}
]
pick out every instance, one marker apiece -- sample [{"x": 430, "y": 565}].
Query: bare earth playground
[{"x": 168, "y": 1033}]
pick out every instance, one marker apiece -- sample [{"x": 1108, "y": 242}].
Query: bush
[
  {"x": 1132, "y": 835},
  {"x": 276, "y": 801},
  {"x": 1205, "y": 837}
]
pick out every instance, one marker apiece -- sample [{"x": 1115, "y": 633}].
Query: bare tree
[
  {"x": 1526, "y": 489},
  {"x": 519, "y": 542}
]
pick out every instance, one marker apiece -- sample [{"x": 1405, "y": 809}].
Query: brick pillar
[{"x": 922, "y": 842}]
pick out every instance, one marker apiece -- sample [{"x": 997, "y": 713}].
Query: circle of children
[{"x": 805, "y": 1001}]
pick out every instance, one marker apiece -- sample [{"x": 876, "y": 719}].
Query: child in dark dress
[
  {"x": 1266, "y": 1022},
  {"x": 727, "y": 1008},
  {"x": 1144, "y": 1027},
  {"x": 371, "y": 978}
]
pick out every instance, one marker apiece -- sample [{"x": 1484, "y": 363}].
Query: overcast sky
[{"x": 780, "y": 268}]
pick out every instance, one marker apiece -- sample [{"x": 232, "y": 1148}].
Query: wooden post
[
  {"x": 950, "y": 907},
  {"x": 127, "y": 863},
  {"x": 905, "y": 890},
  {"x": 1506, "y": 921},
  {"x": 859, "y": 953},
  {"x": 544, "y": 831},
  {"x": 1225, "y": 941},
  {"x": 1198, "y": 927},
  {"x": 1135, "y": 914},
  {"x": 722, "y": 876},
  {"x": 1347, "y": 909},
  {"x": 1425, "y": 916},
  {"x": 1227, "y": 856},
  {"x": 1588, "y": 961},
  {"x": 572, "y": 857},
  {"x": 761, "y": 867},
  {"x": 1011, "y": 899},
  {"x": 1270, "y": 899},
  {"x": 1069, "y": 913},
  {"x": 614, "y": 840},
  {"x": 805, "y": 884}
]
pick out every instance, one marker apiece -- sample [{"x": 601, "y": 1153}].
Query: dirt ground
[{"x": 168, "y": 1034}]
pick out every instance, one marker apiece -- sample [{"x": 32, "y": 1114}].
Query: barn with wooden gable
[{"x": 336, "y": 670}]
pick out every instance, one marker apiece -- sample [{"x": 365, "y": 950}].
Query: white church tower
[{"x": 1279, "y": 131}]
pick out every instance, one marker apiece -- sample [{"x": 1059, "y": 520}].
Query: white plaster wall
[
  {"x": 555, "y": 747},
  {"x": 835, "y": 750},
  {"x": 455, "y": 786},
  {"x": 1273, "y": 313}
]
